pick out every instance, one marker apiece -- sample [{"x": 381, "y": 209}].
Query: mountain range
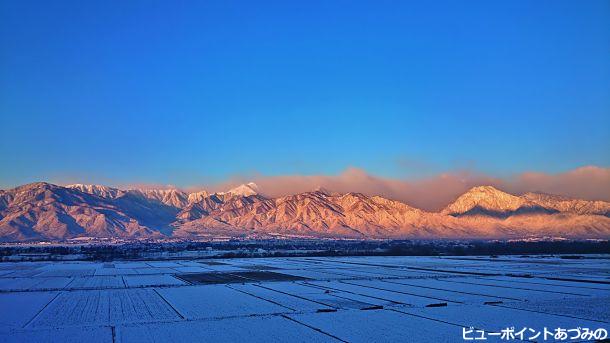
[{"x": 47, "y": 212}]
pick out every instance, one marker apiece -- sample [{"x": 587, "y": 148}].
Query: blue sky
[{"x": 188, "y": 92}]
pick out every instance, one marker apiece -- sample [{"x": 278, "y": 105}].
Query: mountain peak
[
  {"x": 40, "y": 184},
  {"x": 36, "y": 187},
  {"x": 484, "y": 189},
  {"x": 245, "y": 190},
  {"x": 484, "y": 198}
]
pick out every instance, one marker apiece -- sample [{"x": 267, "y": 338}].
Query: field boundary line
[
  {"x": 40, "y": 311},
  {"x": 313, "y": 328},
  {"x": 169, "y": 304}
]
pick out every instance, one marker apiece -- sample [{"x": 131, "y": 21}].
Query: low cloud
[
  {"x": 434, "y": 193},
  {"x": 590, "y": 182}
]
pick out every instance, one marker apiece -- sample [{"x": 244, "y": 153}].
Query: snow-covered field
[{"x": 354, "y": 299}]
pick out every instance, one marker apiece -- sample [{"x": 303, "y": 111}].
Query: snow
[
  {"x": 223, "y": 268},
  {"x": 151, "y": 280},
  {"x": 216, "y": 301},
  {"x": 329, "y": 298},
  {"x": 51, "y": 283},
  {"x": 381, "y": 325},
  {"x": 383, "y": 295},
  {"x": 591, "y": 308},
  {"x": 191, "y": 269},
  {"x": 68, "y": 272},
  {"x": 159, "y": 270},
  {"x": 17, "y": 284},
  {"x": 495, "y": 318},
  {"x": 313, "y": 274},
  {"x": 96, "y": 282},
  {"x": 115, "y": 271},
  {"x": 244, "y": 190},
  {"x": 491, "y": 291},
  {"x": 19, "y": 308},
  {"x": 164, "y": 264},
  {"x": 96, "y": 334},
  {"x": 533, "y": 287},
  {"x": 432, "y": 294},
  {"x": 290, "y": 301},
  {"x": 25, "y": 273},
  {"x": 78, "y": 308},
  {"x": 354, "y": 299},
  {"x": 252, "y": 329},
  {"x": 556, "y": 284},
  {"x": 130, "y": 265}
]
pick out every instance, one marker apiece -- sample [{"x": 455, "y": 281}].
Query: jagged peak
[
  {"x": 98, "y": 190},
  {"x": 88, "y": 186},
  {"x": 84, "y": 185},
  {"x": 159, "y": 190},
  {"x": 197, "y": 196},
  {"x": 201, "y": 192}
]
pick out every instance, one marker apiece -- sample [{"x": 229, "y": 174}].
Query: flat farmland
[{"x": 351, "y": 299}]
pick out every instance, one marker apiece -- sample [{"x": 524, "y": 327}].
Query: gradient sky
[{"x": 188, "y": 92}]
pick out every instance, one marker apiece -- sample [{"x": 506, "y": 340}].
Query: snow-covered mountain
[
  {"x": 244, "y": 190},
  {"x": 42, "y": 211},
  {"x": 314, "y": 214},
  {"x": 45, "y": 211},
  {"x": 563, "y": 204},
  {"x": 99, "y": 190},
  {"x": 171, "y": 197},
  {"x": 197, "y": 196},
  {"x": 489, "y": 201}
]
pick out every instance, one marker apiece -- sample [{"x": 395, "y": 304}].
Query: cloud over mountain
[
  {"x": 590, "y": 182},
  {"x": 435, "y": 192}
]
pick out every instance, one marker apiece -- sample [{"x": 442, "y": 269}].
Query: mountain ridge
[{"x": 43, "y": 211}]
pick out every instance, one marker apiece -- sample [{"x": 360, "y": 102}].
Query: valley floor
[{"x": 353, "y": 299}]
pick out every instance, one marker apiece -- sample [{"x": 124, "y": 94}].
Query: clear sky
[{"x": 187, "y": 92}]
